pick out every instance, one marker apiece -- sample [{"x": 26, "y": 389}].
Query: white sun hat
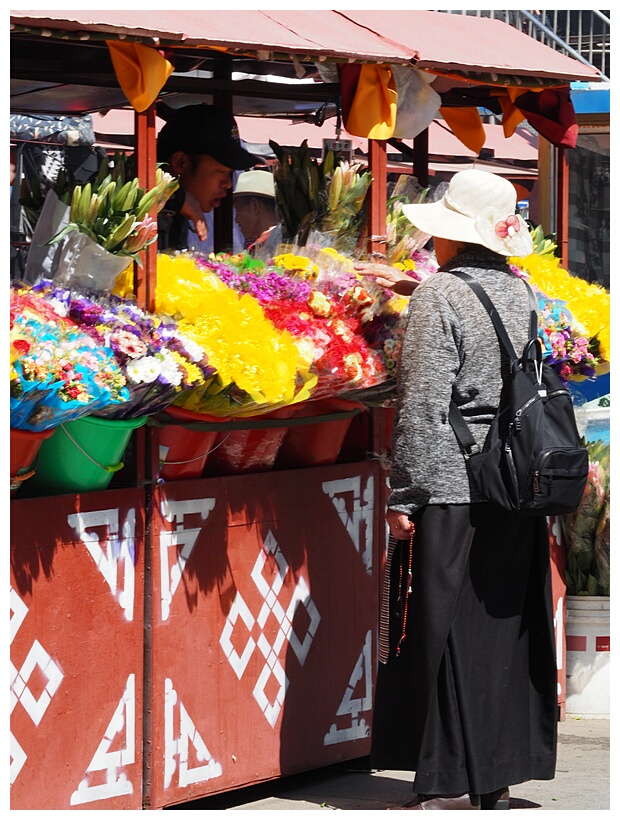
[
  {"x": 477, "y": 207},
  {"x": 255, "y": 183}
]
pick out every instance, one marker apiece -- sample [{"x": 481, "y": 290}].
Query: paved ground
[{"x": 581, "y": 782}]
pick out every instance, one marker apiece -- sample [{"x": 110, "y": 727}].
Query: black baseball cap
[{"x": 204, "y": 129}]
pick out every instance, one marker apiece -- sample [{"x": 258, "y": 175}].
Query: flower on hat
[
  {"x": 507, "y": 227},
  {"x": 503, "y": 234}
]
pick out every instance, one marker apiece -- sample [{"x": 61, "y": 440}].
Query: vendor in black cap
[{"x": 200, "y": 145}]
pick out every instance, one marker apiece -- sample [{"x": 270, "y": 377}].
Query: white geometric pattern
[
  {"x": 109, "y": 549},
  {"x": 558, "y": 623},
  {"x": 179, "y": 537},
  {"x": 36, "y": 707},
  {"x": 238, "y": 662},
  {"x": 123, "y": 722},
  {"x": 361, "y": 517},
  {"x": 179, "y": 747},
  {"x": 556, "y": 529},
  {"x": 19, "y": 610},
  {"x": 271, "y": 607},
  {"x": 20, "y": 692},
  {"x": 355, "y": 707},
  {"x": 18, "y": 758}
]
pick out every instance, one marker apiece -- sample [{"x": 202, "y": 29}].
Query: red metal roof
[
  {"x": 313, "y": 33},
  {"x": 430, "y": 39},
  {"x": 460, "y": 42}
]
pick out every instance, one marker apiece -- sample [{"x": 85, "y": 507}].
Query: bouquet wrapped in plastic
[
  {"x": 403, "y": 238},
  {"x": 259, "y": 367},
  {"x": 58, "y": 373},
  {"x": 586, "y": 530},
  {"x": 587, "y": 304},
  {"x": 319, "y": 198},
  {"x": 156, "y": 359},
  {"x": 319, "y": 299},
  {"x": 96, "y": 230},
  {"x": 566, "y": 347}
]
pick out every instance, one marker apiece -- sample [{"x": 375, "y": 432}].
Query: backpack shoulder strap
[
  {"x": 480, "y": 292},
  {"x": 455, "y": 417},
  {"x": 468, "y": 443}
]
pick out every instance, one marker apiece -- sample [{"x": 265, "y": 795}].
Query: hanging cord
[
  {"x": 404, "y": 600},
  {"x": 197, "y": 458},
  {"x": 113, "y": 468},
  {"x": 321, "y": 114}
]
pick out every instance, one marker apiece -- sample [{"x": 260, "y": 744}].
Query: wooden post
[
  {"x": 546, "y": 185},
  {"x": 223, "y": 214},
  {"x": 377, "y": 163},
  {"x": 420, "y": 157},
  {"x": 146, "y": 164},
  {"x": 145, "y": 276},
  {"x": 562, "y": 196}
]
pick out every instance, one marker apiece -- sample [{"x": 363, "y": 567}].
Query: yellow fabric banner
[
  {"x": 373, "y": 109},
  {"x": 140, "y": 70}
]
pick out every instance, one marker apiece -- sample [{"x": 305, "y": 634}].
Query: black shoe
[{"x": 499, "y": 799}]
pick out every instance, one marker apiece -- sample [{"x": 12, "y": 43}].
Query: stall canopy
[
  {"x": 427, "y": 39},
  {"x": 358, "y": 65},
  {"x": 466, "y": 55}
]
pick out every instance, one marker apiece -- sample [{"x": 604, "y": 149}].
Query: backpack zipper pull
[{"x": 537, "y": 481}]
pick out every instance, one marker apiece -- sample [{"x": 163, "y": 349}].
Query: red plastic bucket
[
  {"x": 316, "y": 443},
  {"x": 25, "y": 446},
  {"x": 183, "y": 452},
  {"x": 249, "y": 451}
]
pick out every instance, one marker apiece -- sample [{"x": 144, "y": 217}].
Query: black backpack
[{"x": 533, "y": 460}]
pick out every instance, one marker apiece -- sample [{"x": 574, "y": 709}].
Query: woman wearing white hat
[{"x": 466, "y": 696}]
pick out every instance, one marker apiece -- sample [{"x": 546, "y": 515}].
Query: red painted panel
[
  {"x": 602, "y": 643},
  {"x": 76, "y": 651},
  {"x": 264, "y": 626},
  {"x": 558, "y": 591},
  {"x": 576, "y": 643}
]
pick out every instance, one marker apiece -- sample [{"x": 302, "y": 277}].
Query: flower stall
[{"x": 198, "y": 442}]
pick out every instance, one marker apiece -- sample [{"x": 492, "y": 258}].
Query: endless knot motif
[{"x": 286, "y": 634}]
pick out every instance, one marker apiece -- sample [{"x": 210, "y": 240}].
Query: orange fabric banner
[{"x": 466, "y": 124}]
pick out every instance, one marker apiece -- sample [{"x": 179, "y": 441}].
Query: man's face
[
  {"x": 247, "y": 216},
  {"x": 208, "y": 180}
]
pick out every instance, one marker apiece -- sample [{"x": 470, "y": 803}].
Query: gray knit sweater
[{"x": 450, "y": 350}]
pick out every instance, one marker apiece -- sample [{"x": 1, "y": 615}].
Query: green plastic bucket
[{"x": 82, "y": 455}]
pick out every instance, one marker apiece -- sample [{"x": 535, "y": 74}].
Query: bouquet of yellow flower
[
  {"x": 320, "y": 300},
  {"x": 258, "y": 367},
  {"x": 588, "y": 303}
]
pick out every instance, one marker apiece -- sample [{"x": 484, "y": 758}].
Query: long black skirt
[{"x": 470, "y": 702}]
